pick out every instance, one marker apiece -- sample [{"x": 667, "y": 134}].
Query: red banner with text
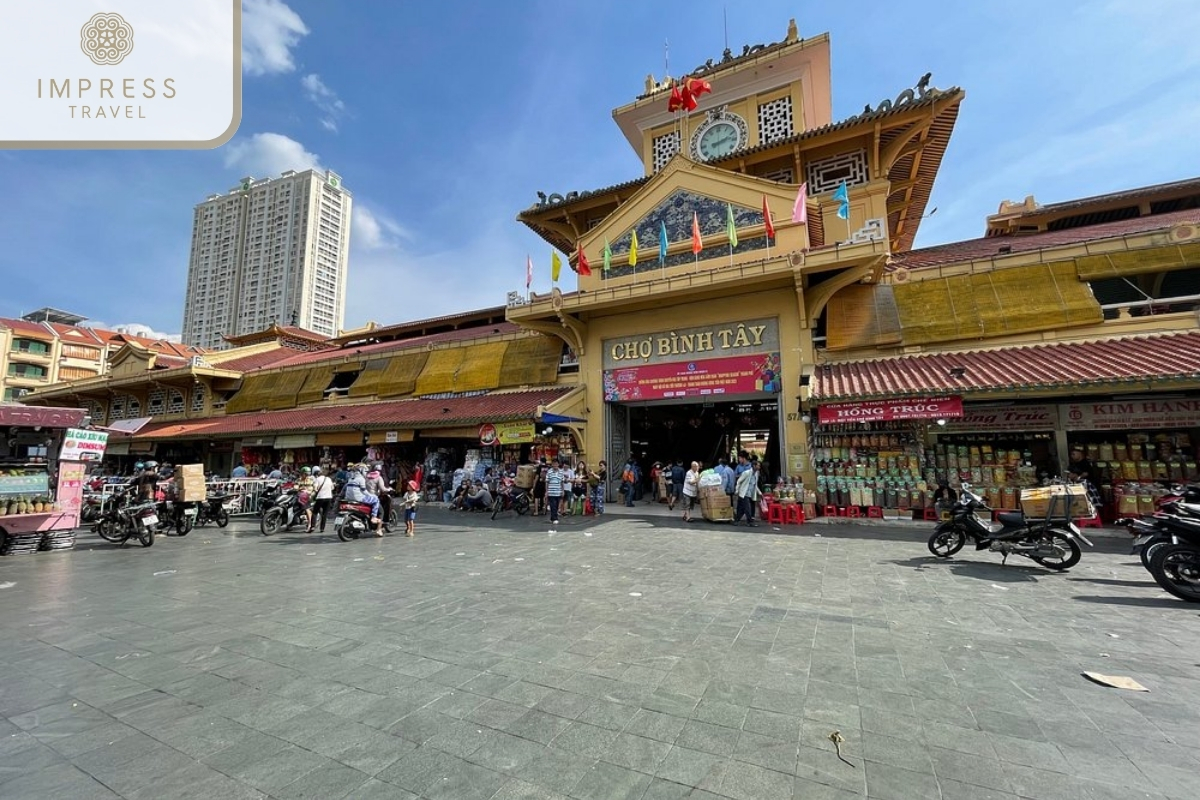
[
  {"x": 891, "y": 410},
  {"x": 701, "y": 378}
]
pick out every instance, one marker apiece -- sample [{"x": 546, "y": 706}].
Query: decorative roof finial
[{"x": 793, "y": 33}]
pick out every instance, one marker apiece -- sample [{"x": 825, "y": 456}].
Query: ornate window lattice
[
  {"x": 198, "y": 398},
  {"x": 775, "y": 120},
  {"x": 174, "y": 402},
  {"x": 118, "y": 407},
  {"x": 665, "y": 146},
  {"x": 824, "y": 174},
  {"x": 156, "y": 402},
  {"x": 785, "y": 175},
  {"x": 95, "y": 411}
]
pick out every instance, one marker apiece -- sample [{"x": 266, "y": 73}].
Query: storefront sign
[
  {"x": 391, "y": 437},
  {"x": 81, "y": 445},
  {"x": 24, "y": 484},
  {"x": 997, "y": 418},
  {"x": 295, "y": 441},
  {"x": 46, "y": 417},
  {"x": 69, "y": 494},
  {"x": 708, "y": 341},
  {"x": 706, "y": 378},
  {"x": 1131, "y": 415},
  {"x": 891, "y": 410},
  {"x": 506, "y": 433}
]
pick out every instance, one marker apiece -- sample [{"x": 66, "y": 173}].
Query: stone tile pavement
[{"x": 627, "y": 657}]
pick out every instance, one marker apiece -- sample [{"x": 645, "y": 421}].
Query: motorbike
[
  {"x": 1173, "y": 550},
  {"x": 1149, "y": 533},
  {"x": 213, "y": 509},
  {"x": 124, "y": 520},
  {"x": 285, "y": 511},
  {"x": 510, "y": 497},
  {"x": 353, "y": 520},
  {"x": 175, "y": 514},
  {"x": 1053, "y": 543}
]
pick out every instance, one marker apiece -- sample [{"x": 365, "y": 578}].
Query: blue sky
[{"x": 444, "y": 119}]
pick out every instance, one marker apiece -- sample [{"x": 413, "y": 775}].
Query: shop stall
[{"x": 44, "y": 456}]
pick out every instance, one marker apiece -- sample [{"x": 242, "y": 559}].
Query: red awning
[
  {"x": 422, "y": 413},
  {"x": 1066, "y": 365},
  {"x": 44, "y": 416}
]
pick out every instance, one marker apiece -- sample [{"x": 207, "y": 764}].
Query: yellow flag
[
  {"x": 555, "y": 266},
  {"x": 633, "y": 249}
]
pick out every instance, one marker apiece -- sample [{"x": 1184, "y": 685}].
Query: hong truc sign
[{"x": 949, "y": 407}]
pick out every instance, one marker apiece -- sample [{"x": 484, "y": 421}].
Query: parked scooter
[
  {"x": 284, "y": 512},
  {"x": 510, "y": 497},
  {"x": 213, "y": 509},
  {"x": 1170, "y": 548},
  {"x": 124, "y": 520},
  {"x": 1053, "y": 543}
]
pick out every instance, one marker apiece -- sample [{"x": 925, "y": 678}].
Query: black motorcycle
[
  {"x": 510, "y": 498},
  {"x": 124, "y": 520},
  {"x": 285, "y": 511},
  {"x": 1173, "y": 550},
  {"x": 175, "y": 514},
  {"x": 213, "y": 510},
  {"x": 1053, "y": 543}
]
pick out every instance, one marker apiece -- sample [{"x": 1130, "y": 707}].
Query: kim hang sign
[{"x": 891, "y": 410}]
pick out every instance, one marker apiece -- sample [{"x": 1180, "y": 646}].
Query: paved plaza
[{"x": 628, "y": 657}]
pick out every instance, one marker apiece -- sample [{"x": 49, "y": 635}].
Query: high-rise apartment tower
[{"x": 271, "y": 251}]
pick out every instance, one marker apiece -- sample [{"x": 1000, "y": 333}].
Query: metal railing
[{"x": 245, "y": 494}]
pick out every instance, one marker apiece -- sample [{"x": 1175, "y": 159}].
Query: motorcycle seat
[
  {"x": 362, "y": 507},
  {"x": 1011, "y": 519},
  {"x": 1190, "y": 509}
]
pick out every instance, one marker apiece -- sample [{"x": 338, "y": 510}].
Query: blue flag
[
  {"x": 662, "y": 243},
  {"x": 842, "y": 196}
]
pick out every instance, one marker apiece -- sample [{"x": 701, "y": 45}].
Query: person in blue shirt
[
  {"x": 240, "y": 471},
  {"x": 728, "y": 477}
]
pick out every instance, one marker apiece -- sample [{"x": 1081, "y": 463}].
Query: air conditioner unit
[{"x": 1185, "y": 232}]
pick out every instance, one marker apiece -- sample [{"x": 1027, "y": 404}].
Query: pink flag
[
  {"x": 528, "y": 271},
  {"x": 800, "y": 209}
]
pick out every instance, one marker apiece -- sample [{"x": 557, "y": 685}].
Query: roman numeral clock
[{"x": 721, "y": 133}]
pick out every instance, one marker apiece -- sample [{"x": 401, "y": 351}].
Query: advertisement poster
[
  {"x": 69, "y": 494},
  {"x": 891, "y": 410},
  {"x": 702, "y": 378},
  {"x": 506, "y": 433},
  {"x": 81, "y": 445}
]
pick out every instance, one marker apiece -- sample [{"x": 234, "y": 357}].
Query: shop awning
[
  {"x": 129, "y": 426},
  {"x": 558, "y": 419},
  {"x": 32, "y": 416},
  {"x": 414, "y": 414},
  {"x": 1116, "y": 363}
]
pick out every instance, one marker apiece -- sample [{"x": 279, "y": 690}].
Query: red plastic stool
[
  {"x": 874, "y": 512},
  {"x": 1093, "y": 522},
  {"x": 775, "y": 514},
  {"x": 931, "y": 514},
  {"x": 843, "y": 512},
  {"x": 854, "y": 511},
  {"x": 829, "y": 511},
  {"x": 793, "y": 514}
]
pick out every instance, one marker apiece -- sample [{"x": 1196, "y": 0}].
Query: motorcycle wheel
[
  {"x": 1152, "y": 547},
  {"x": 345, "y": 532},
  {"x": 1176, "y": 568},
  {"x": 272, "y": 522},
  {"x": 146, "y": 537},
  {"x": 521, "y": 504},
  {"x": 497, "y": 506},
  {"x": 184, "y": 526},
  {"x": 1069, "y": 554},
  {"x": 222, "y": 518},
  {"x": 945, "y": 543},
  {"x": 109, "y": 531}
]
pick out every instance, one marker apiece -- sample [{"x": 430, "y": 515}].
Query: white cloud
[
  {"x": 268, "y": 154},
  {"x": 371, "y": 230},
  {"x": 325, "y": 99},
  {"x": 133, "y": 329},
  {"x": 270, "y": 29}
]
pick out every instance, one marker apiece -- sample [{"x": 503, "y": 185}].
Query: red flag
[
  {"x": 675, "y": 103},
  {"x": 697, "y": 242},
  {"x": 697, "y": 86},
  {"x": 581, "y": 263},
  {"x": 767, "y": 219}
]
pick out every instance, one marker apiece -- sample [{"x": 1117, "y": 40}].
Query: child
[{"x": 410, "y": 499}]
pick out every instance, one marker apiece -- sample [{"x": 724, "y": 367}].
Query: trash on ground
[
  {"x": 165, "y": 572},
  {"x": 360, "y": 559},
  {"x": 998, "y": 586},
  {"x": 635, "y": 594},
  {"x": 1113, "y": 636},
  {"x": 837, "y": 739},
  {"x": 379, "y": 558},
  {"x": 7, "y": 585},
  {"x": 1115, "y": 681}
]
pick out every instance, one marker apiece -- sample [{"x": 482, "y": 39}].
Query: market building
[{"x": 721, "y": 306}]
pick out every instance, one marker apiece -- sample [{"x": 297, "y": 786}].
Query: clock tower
[{"x": 765, "y": 93}]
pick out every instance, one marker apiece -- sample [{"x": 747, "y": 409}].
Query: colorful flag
[
  {"x": 692, "y": 89},
  {"x": 555, "y": 265},
  {"x": 842, "y": 196},
  {"x": 528, "y": 271},
  {"x": 581, "y": 263},
  {"x": 800, "y": 209},
  {"x": 633, "y": 249},
  {"x": 697, "y": 241},
  {"x": 730, "y": 227},
  {"x": 607, "y": 255},
  {"x": 662, "y": 243},
  {"x": 767, "y": 219},
  {"x": 675, "y": 101}
]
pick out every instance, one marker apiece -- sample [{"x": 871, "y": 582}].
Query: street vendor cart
[{"x": 44, "y": 455}]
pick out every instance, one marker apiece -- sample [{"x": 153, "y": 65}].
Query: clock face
[{"x": 721, "y": 139}]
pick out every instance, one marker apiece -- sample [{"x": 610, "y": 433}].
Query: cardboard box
[
  {"x": 189, "y": 480},
  {"x": 1044, "y": 500},
  {"x": 717, "y": 510}
]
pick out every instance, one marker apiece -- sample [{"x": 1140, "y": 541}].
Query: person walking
[
  {"x": 677, "y": 477},
  {"x": 322, "y": 499},
  {"x": 728, "y": 479},
  {"x": 598, "y": 481},
  {"x": 410, "y": 500},
  {"x": 580, "y": 487},
  {"x": 747, "y": 495},
  {"x": 555, "y": 480},
  {"x": 691, "y": 489}
]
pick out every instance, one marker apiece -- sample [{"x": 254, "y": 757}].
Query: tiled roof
[
  {"x": 1158, "y": 357},
  {"x": 255, "y": 361},
  {"x": 1188, "y": 185},
  {"x": 414, "y": 413},
  {"x": 418, "y": 324},
  {"x": 379, "y": 348},
  {"x": 76, "y": 334},
  {"x": 989, "y": 246},
  {"x": 26, "y": 328}
]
